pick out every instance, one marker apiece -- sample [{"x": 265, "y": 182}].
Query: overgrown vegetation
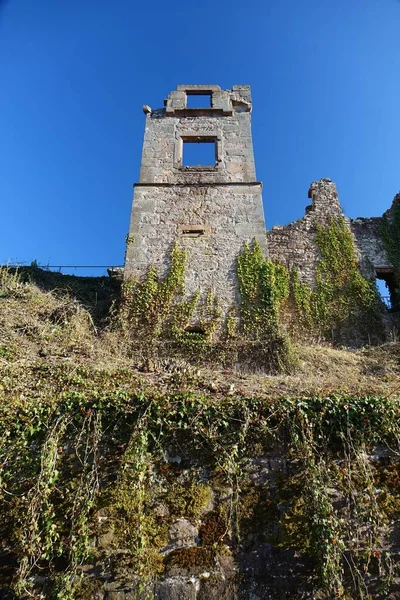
[
  {"x": 390, "y": 230},
  {"x": 157, "y": 317},
  {"x": 99, "y": 460},
  {"x": 85, "y": 473},
  {"x": 262, "y": 287},
  {"x": 343, "y": 306},
  {"x": 274, "y": 307},
  {"x": 342, "y": 294}
]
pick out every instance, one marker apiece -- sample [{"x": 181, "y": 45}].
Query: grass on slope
[{"x": 48, "y": 318}]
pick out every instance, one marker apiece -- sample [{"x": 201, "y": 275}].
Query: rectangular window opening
[
  {"x": 196, "y": 100},
  {"x": 199, "y": 153}
]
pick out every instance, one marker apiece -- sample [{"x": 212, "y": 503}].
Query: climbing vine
[
  {"x": 263, "y": 288},
  {"x": 90, "y": 475},
  {"x": 263, "y": 285},
  {"x": 301, "y": 296},
  {"x": 148, "y": 306},
  {"x": 156, "y": 310},
  {"x": 342, "y": 297},
  {"x": 341, "y": 291},
  {"x": 273, "y": 302},
  {"x": 390, "y": 231},
  {"x": 97, "y": 464}
]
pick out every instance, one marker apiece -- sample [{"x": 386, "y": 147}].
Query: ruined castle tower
[{"x": 198, "y": 187}]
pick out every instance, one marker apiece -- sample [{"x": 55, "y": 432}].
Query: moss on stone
[
  {"x": 189, "y": 500},
  {"x": 213, "y": 529},
  {"x": 191, "y": 558},
  {"x": 258, "y": 515}
]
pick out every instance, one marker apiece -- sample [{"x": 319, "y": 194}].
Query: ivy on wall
[
  {"x": 390, "y": 231},
  {"x": 341, "y": 291},
  {"x": 263, "y": 285},
  {"x": 263, "y": 288},
  {"x": 151, "y": 307},
  {"x": 342, "y": 296},
  {"x": 271, "y": 295},
  {"x": 155, "y": 311},
  {"x": 272, "y": 301},
  {"x": 83, "y": 450}
]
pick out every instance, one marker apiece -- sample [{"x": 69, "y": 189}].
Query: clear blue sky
[{"x": 325, "y": 79}]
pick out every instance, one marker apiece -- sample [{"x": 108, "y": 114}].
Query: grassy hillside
[{"x": 51, "y": 318}]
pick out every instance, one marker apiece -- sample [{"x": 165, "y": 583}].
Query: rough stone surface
[
  {"x": 177, "y": 588},
  {"x": 257, "y": 566},
  {"x": 182, "y": 534},
  {"x": 294, "y": 244},
  {"x": 369, "y": 242},
  {"x": 223, "y": 200}
]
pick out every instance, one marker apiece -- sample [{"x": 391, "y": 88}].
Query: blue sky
[{"x": 325, "y": 79}]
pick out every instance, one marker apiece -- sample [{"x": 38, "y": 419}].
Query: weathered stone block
[
  {"x": 176, "y": 588},
  {"x": 183, "y": 534}
]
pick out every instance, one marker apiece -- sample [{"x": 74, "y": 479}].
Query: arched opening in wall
[{"x": 388, "y": 288}]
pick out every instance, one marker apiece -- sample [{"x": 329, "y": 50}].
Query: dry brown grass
[
  {"x": 323, "y": 370},
  {"x": 40, "y": 325}
]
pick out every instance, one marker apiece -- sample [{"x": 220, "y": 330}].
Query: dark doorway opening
[{"x": 388, "y": 288}]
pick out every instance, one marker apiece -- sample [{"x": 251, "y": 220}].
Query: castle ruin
[
  {"x": 294, "y": 245},
  {"x": 211, "y": 202}
]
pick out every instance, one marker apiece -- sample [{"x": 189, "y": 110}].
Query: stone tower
[{"x": 212, "y": 204}]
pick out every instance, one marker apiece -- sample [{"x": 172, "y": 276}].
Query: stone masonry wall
[
  {"x": 211, "y": 209},
  {"x": 229, "y": 216},
  {"x": 294, "y": 245},
  {"x": 370, "y": 245},
  {"x": 369, "y": 241},
  {"x": 255, "y": 567}
]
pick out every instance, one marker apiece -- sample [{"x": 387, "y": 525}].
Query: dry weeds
[{"x": 43, "y": 325}]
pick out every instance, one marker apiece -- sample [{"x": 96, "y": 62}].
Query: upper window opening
[
  {"x": 198, "y": 100},
  {"x": 199, "y": 153}
]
